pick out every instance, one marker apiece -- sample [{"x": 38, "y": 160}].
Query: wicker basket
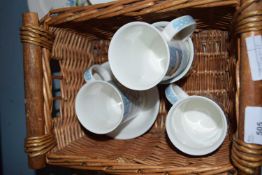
[{"x": 66, "y": 41}]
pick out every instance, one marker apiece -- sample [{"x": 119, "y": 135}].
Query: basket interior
[{"x": 78, "y": 46}]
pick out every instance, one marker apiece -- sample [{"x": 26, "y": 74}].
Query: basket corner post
[
  {"x": 247, "y": 157},
  {"x": 33, "y": 84}
]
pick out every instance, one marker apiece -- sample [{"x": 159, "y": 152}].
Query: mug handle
[
  {"x": 98, "y": 72},
  {"x": 174, "y": 93},
  {"x": 180, "y": 28}
]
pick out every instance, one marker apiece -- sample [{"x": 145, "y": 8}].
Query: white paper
[
  {"x": 254, "y": 50},
  {"x": 253, "y": 125}
]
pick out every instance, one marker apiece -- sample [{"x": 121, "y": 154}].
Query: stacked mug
[{"x": 120, "y": 97}]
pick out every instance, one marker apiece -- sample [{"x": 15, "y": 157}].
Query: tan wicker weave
[{"x": 67, "y": 41}]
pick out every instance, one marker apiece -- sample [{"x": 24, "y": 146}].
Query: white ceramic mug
[
  {"x": 101, "y": 104},
  {"x": 196, "y": 125},
  {"x": 141, "y": 56},
  {"x": 185, "y": 53}
]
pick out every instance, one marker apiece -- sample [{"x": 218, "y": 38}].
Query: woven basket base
[{"x": 211, "y": 75}]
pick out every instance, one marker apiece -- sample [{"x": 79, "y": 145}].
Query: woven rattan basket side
[{"x": 58, "y": 50}]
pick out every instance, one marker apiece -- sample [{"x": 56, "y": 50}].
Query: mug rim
[
  {"x": 116, "y": 73},
  {"x": 81, "y": 118},
  {"x": 193, "y": 151}
]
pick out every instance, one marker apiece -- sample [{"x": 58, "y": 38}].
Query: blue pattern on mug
[
  {"x": 127, "y": 105},
  {"x": 175, "y": 56},
  {"x": 183, "y": 21},
  {"x": 170, "y": 94},
  {"x": 88, "y": 75}
]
